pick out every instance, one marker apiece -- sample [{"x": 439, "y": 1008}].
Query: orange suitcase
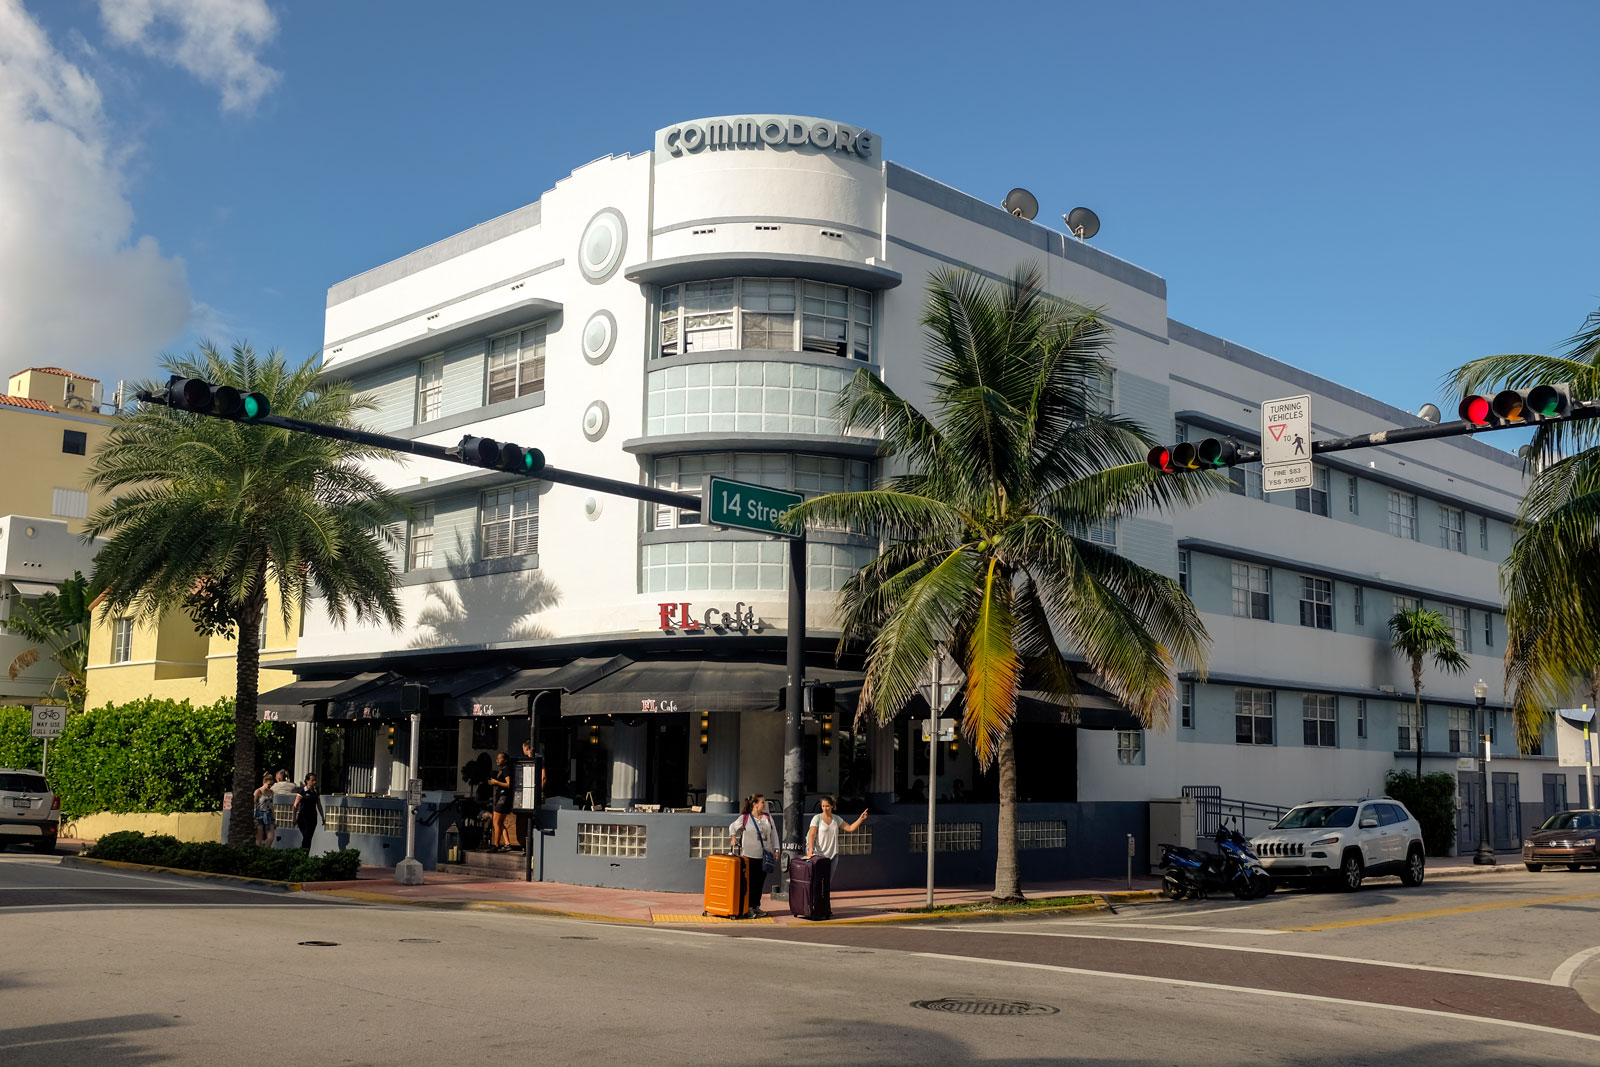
[{"x": 724, "y": 886}]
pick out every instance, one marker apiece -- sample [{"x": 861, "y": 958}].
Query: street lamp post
[{"x": 1485, "y": 853}]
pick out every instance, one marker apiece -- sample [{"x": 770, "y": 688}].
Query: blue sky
[{"x": 1376, "y": 192}]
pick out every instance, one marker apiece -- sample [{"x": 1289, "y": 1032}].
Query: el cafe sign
[{"x": 676, "y": 617}]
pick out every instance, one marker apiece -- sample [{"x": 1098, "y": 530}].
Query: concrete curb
[
  {"x": 265, "y": 884},
  {"x": 479, "y": 905},
  {"x": 1098, "y": 904}
]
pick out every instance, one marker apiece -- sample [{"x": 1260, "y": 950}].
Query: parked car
[
  {"x": 29, "y": 812},
  {"x": 1344, "y": 841},
  {"x": 1569, "y": 837}
]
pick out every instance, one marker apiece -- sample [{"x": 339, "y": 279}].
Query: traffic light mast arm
[{"x": 648, "y": 494}]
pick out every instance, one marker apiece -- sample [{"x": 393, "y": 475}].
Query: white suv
[
  {"x": 29, "y": 812},
  {"x": 1344, "y": 840}
]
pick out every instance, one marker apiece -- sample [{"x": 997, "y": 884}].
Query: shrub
[
  {"x": 214, "y": 857},
  {"x": 18, "y": 747},
  {"x": 154, "y": 755},
  {"x": 1432, "y": 799}
]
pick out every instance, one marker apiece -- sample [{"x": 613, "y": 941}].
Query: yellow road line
[
  {"x": 1436, "y": 913},
  {"x": 666, "y": 917}
]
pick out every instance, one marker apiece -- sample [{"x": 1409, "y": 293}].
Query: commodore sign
[{"x": 764, "y": 132}]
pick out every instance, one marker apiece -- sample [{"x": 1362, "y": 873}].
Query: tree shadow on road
[{"x": 102, "y": 1042}]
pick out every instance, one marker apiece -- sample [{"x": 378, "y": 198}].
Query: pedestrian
[
  {"x": 308, "y": 811},
  {"x": 263, "y": 808},
  {"x": 823, "y": 837},
  {"x": 505, "y": 824},
  {"x": 754, "y": 837},
  {"x": 283, "y": 784}
]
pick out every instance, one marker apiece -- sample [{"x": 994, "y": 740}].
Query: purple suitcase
[{"x": 810, "y": 887}]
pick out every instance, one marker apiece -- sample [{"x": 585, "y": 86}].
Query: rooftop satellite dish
[
  {"x": 1526, "y": 453},
  {"x": 1082, "y": 223},
  {"x": 1429, "y": 413},
  {"x": 1021, "y": 203}
]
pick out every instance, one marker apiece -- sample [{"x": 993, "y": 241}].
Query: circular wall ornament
[
  {"x": 596, "y": 417},
  {"x": 592, "y": 507},
  {"x": 602, "y": 244},
  {"x": 599, "y": 336}
]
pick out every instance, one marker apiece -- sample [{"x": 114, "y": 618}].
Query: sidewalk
[{"x": 453, "y": 891}]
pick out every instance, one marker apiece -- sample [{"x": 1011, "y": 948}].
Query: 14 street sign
[
  {"x": 1286, "y": 444},
  {"x": 743, "y": 506}
]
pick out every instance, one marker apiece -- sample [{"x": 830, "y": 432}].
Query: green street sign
[{"x": 743, "y": 506}]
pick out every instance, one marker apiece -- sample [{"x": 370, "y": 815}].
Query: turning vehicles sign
[{"x": 1286, "y": 444}]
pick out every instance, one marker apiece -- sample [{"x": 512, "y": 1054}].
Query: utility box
[{"x": 1173, "y": 821}]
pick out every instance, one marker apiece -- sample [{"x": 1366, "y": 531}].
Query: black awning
[
  {"x": 513, "y": 693},
  {"x": 1092, "y": 708},
  {"x": 298, "y": 701},
  {"x": 656, "y": 686},
  {"x": 381, "y": 699}
]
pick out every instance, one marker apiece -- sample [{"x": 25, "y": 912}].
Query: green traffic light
[{"x": 256, "y": 406}]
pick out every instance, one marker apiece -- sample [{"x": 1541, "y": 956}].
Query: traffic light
[
  {"x": 1206, "y": 454},
  {"x": 205, "y": 398},
  {"x": 501, "y": 455},
  {"x": 1510, "y": 407}
]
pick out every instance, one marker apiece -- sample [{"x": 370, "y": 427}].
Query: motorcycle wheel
[
  {"x": 1245, "y": 888},
  {"x": 1172, "y": 889}
]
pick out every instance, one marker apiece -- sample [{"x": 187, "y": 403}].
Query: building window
[
  {"x": 1488, "y": 629},
  {"x": 1483, "y": 533},
  {"x": 1102, "y": 390},
  {"x": 1452, "y": 529},
  {"x": 121, "y": 640},
  {"x": 1408, "y": 734},
  {"x": 420, "y": 541},
  {"x": 1246, "y": 482},
  {"x": 1252, "y": 592},
  {"x": 1355, "y": 499},
  {"x": 69, "y": 503},
  {"x": 1315, "y": 499},
  {"x": 1183, "y": 570},
  {"x": 1461, "y": 730},
  {"x": 430, "y": 388},
  {"x": 1358, "y": 607},
  {"x": 1316, "y": 602},
  {"x": 806, "y": 474},
  {"x": 1406, "y": 603},
  {"x": 261, "y": 629},
  {"x": 516, "y": 364},
  {"x": 1320, "y": 713},
  {"x": 1403, "y": 515},
  {"x": 1099, "y": 532},
  {"x": 1459, "y": 620},
  {"x": 1252, "y": 716},
  {"x": 509, "y": 523},
  {"x": 74, "y": 442},
  {"x": 760, "y": 313},
  {"x": 1361, "y": 717},
  {"x": 1130, "y": 747},
  {"x": 1186, "y": 707},
  {"x": 745, "y": 395},
  {"x": 1180, "y": 432}
]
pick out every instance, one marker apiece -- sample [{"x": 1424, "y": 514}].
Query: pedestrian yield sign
[{"x": 1286, "y": 444}]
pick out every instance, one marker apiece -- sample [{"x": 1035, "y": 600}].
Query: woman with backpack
[{"x": 756, "y": 839}]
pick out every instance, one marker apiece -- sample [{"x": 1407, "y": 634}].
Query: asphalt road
[{"x": 119, "y": 971}]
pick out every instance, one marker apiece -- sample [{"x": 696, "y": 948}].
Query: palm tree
[
  {"x": 986, "y": 554},
  {"x": 209, "y": 515},
  {"x": 58, "y": 621},
  {"x": 1417, "y": 634},
  {"x": 1552, "y": 577}
]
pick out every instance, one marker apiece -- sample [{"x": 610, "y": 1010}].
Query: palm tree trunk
[
  {"x": 247, "y": 663},
  {"x": 1007, "y": 880},
  {"x": 1416, "y": 688}
]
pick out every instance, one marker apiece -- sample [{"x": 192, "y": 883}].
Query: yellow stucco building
[{"x": 51, "y": 424}]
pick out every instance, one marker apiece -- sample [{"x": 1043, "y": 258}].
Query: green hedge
[
  {"x": 1432, "y": 799},
  {"x": 213, "y": 857},
  {"x": 18, "y": 747},
  {"x": 146, "y": 755}
]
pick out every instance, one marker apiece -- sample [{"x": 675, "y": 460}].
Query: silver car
[{"x": 29, "y": 812}]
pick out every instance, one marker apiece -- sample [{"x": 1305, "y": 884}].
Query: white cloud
[
  {"x": 78, "y": 288},
  {"x": 215, "y": 40}
]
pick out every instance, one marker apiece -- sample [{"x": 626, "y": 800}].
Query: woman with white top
[
  {"x": 756, "y": 839},
  {"x": 823, "y": 837}
]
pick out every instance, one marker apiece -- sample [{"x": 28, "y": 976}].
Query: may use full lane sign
[{"x": 1286, "y": 444}]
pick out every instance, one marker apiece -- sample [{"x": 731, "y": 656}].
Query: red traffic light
[
  {"x": 1160, "y": 458},
  {"x": 1476, "y": 410},
  {"x": 1513, "y": 407}
]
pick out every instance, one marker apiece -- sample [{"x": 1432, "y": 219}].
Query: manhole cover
[
  {"x": 975, "y": 1006},
  {"x": 419, "y": 940},
  {"x": 577, "y": 937},
  {"x": 320, "y": 944}
]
